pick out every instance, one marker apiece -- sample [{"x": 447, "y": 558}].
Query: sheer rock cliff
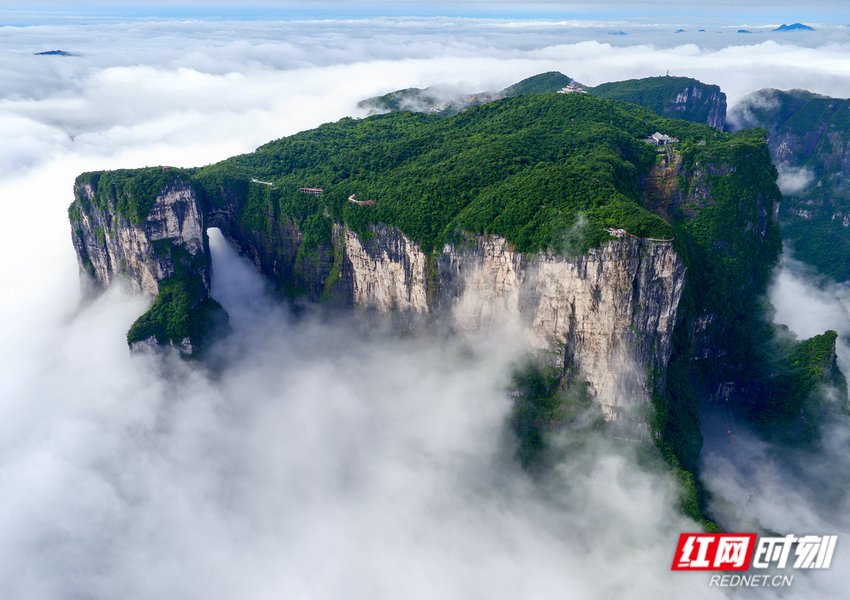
[{"x": 607, "y": 315}]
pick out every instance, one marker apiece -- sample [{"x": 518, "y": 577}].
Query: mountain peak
[
  {"x": 551, "y": 81},
  {"x": 677, "y": 97},
  {"x": 55, "y": 53},
  {"x": 436, "y": 100},
  {"x": 794, "y": 27}
]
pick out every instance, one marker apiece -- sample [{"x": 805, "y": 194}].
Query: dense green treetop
[
  {"x": 130, "y": 193},
  {"x": 651, "y": 92},
  {"x": 446, "y": 102},
  {"x": 524, "y": 168},
  {"x": 658, "y": 94},
  {"x": 407, "y": 99},
  {"x": 798, "y": 112},
  {"x": 811, "y": 132},
  {"x": 551, "y": 81}
]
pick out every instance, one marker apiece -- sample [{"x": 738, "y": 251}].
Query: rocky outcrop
[
  {"x": 110, "y": 245},
  {"x": 805, "y": 129},
  {"x": 676, "y": 97},
  {"x": 699, "y": 102},
  {"x": 164, "y": 254},
  {"x": 387, "y": 273},
  {"x": 606, "y": 316},
  {"x": 809, "y": 141},
  {"x": 675, "y": 191}
]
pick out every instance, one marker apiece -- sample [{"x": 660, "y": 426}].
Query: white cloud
[
  {"x": 759, "y": 486},
  {"x": 765, "y": 487},
  {"x": 793, "y": 180},
  {"x": 276, "y": 78},
  {"x": 322, "y": 461},
  {"x": 810, "y": 304}
]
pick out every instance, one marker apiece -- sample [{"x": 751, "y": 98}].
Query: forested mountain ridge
[
  {"x": 810, "y": 142},
  {"x": 548, "y": 173},
  {"x": 435, "y": 100},
  {"x": 557, "y": 211},
  {"x": 676, "y": 97},
  {"x": 522, "y": 168}
]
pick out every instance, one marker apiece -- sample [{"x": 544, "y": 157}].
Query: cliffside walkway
[
  {"x": 353, "y": 200},
  {"x": 619, "y": 233}
]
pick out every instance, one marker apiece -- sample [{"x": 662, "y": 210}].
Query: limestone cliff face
[
  {"x": 164, "y": 254},
  {"x": 109, "y": 245},
  {"x": 809, "y": 141},
  {"x": 606, "y": 316},
  {"x": 698, "y": 99},
  {"x": 675, "y": 97},
  {"x": 386, "y": 273},
  {"x": 664, "y": 195}
]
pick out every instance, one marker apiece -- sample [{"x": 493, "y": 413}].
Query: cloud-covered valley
[
  {"x": 316, "y": 459},
  {"x": 235, "y": 85}
]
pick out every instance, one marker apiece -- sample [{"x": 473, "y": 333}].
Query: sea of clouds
[{"x": 318, "y": 460}]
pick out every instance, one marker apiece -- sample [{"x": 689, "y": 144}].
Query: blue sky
[{"x": 719, "y": 11}]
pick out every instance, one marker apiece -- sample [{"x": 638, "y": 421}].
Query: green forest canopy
[{"x": 523, "y": 168}]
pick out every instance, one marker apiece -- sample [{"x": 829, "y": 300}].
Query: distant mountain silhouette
[
  {"x": 55, "y": 53},
  {"x": 794, "y": 27}
]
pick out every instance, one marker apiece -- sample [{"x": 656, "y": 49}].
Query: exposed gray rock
[
  {"x": 169, "y": 245},
  {"x": 700, "y": 99},
  {"x": 108, "y": 245},
  {"x": 608, "y": 315}
]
